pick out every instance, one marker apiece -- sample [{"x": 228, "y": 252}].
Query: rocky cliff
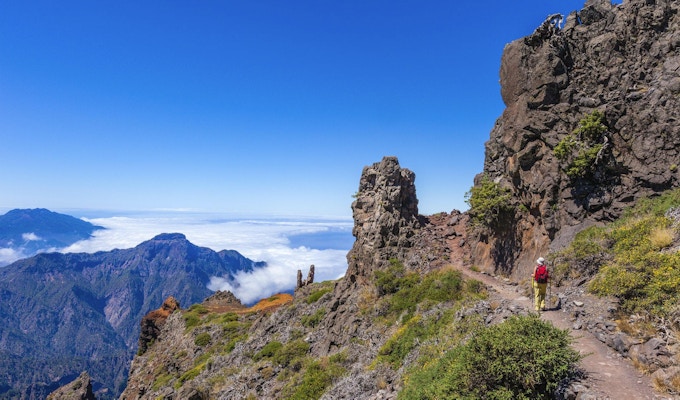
[
  {"x": 621, "y": 61},
  {"x": 79, "y": 389}
]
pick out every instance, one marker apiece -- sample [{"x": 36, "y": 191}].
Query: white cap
[{"x": 540, "y": 261}]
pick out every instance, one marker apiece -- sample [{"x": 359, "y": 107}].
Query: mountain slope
[
  {"x": 57, "y": 308},
  {"x": 28, "y": 231}
]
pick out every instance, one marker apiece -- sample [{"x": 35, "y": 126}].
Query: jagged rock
[
  {"x": 385, "y": 218},
  {"x": 309, "y": 280},
  {"x": 79, "y": 389},
  {"x": 223, "y": 298},
  {"x": 152, "y": 322},
  {"x": 623, "y": 60}
]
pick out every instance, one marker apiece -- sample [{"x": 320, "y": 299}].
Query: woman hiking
[{"x": 539, "y": 282}]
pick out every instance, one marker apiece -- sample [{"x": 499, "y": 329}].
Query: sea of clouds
[{"x": 285, "y": 244}]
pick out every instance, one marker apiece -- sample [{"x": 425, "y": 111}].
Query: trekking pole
[
  {"x": 549, "y": 293},
  {"x": 533, "y": 296}
]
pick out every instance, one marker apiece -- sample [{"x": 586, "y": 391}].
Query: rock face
[
  {"x": 80, "y": 389},
  {"x": 153, "y": 322},
  {"x": 385, "y": 218},
  {"x": 622, "y": 60}
]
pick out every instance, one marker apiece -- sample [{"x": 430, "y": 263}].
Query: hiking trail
[{"x": 608, "y": 374}]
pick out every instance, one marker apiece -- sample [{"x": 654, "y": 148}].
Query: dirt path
[{"x": 610, "y": 375}]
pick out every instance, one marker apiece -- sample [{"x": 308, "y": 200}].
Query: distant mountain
[
  {"x": 62, "y": 314},
  {"x": 27, "y": 232}
]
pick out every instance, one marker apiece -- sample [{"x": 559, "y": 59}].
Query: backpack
[{"x": 541, "y": 274}]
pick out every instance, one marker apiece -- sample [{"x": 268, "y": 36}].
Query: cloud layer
[{"x": 258, "y": 239}]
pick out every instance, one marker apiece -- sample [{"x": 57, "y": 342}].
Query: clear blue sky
[{"x": 265, "y": 107}]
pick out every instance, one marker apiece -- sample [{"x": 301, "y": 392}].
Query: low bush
[
  {"x": 412, "y": 333},
  {"x": 268, "y": 351},
  {"x": 194, "y": 315},
  {"x": 313, "y": 320},
  {"x": 521, "y": 358},
  {"x": 202, "y": 339},
  {"x": 189, "y": 375},
  {"x": 314, "y": 378},
  {"x": 317, "y": 294},
  {"x": 404, "y": 291},
  {"x": 291, "y": 353}
]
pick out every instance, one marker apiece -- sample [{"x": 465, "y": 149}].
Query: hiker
[{"x": 539, "y": 281}]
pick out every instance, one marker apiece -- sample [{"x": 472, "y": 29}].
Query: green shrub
[
  {"x": 317, "y": 377},
  {"x": 584, "y": 255},
  {"x": 521, "y": 358},
  {"x": 565, "y": 147},
  {"x": 584, "y": 162},
  {"x": 189, "y": 375},
  {"x": 161, "y": 380},
  {"x": 194, "y": 315},
  {"x": 291, "y": 352},
  {"x": 191, "y": 320},
  {"x": 591, "y": 127},
  {"x": 313, "y": 320},
  {"x": 394, "y": 278},
  {"x": 489, "y": 203},
  {"x": 316, "y": 295},
  {"x": 409, "y": 289},
  {"x": 231, "y": 343},
  {"x": 580, "y": 149},
  {"x": 198, "y": 309},
  {"x": 228, "y": 317},
  {"x": 233, "y": 328},
  {"x": 202, "y": 339},
  {"x": 269, "y": 350},
  {"x": 413, "y": 332}
]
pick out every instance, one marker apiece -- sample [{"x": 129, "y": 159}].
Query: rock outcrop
[
  {"x": 622, "y": 60},
  {"x": 79, "y": 389},
  {"x": 153, "y": 322},
  {"x": 308, "y": 281},
  {"x": 385, "y": 219}
]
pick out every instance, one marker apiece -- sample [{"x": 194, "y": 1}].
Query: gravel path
[{"x": 609, "y": 375}]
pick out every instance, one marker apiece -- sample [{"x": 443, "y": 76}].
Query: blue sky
[{"x": 253, "y": 107}]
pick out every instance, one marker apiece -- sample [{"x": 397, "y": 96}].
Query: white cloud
[
  {"x": 259, "y": 240},
  {"x": 281, "y": 272},
  {"x": 9, "y": 255},
  {"x": 30, "y": 236}
]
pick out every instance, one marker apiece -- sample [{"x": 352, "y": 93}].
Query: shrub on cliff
[
  {"x": 521, "y": 358},
  {"x": 489, "y": 203},
  {"x": 582, "y": 149}
]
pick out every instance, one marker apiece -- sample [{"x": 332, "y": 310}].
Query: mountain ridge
[
  {"x": 29, "y": 231},
  {"x": 53, "y": 304}
]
